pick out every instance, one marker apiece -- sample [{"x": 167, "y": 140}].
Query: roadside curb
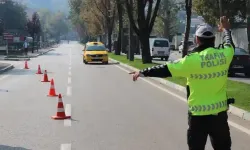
[
  {"x": 26, "y": 58},
  {"x": 232, "y": 109},
  {"x": 6, "y": 69},
  {"x": 42, "y": 53}
]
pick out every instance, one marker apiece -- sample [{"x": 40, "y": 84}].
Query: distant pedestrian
[{"x": 25, "y": 46}]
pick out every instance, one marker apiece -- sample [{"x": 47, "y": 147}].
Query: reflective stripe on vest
[
  {"x": 208, "y": 108},
  {"x": 209, "y": 75}
]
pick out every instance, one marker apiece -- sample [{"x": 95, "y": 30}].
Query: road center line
[
  {"x": 65, "y": 147},
  {"x": 233, "y": 124},
  {"x": 69, "y": 68},
  {"x": 69, "y": 80},
  {"x": 69, "y": 91},
  {"x": 67, "y": 122},
  {"x": 70, "y": 73}
]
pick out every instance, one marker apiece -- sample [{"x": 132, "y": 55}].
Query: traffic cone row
[{"x": 60, "y": 115}]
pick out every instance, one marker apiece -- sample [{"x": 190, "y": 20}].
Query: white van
[{"x": 159, "y": 48}]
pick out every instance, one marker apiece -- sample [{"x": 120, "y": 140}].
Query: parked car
[
  {"x": 190, "y": 44},
  {"x": 240, "y": 62},
  {"x": 159, "y": 48}
]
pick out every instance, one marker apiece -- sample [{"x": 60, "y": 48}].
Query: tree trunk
[
  {"x": 187, "y": 28},
  {"x": 109, "y": 40},
  {"x": 166, "y": 29},
  {"x": 120, "y": 15},
  {"x": 146, "y": 55}
]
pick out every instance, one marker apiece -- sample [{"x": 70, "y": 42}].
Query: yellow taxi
[{"x": 95, "y": 52}]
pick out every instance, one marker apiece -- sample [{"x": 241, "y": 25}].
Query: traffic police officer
[{"x": 206, "y": 71}]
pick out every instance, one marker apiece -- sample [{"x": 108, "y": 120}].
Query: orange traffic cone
[
  {"x": 52, "y": 91},
  {"x": 26, "y": 65},
  {"x": 39, "y": 70},
  {"x": 60, "y": 115},
  {"x": 45, "y": 77}
]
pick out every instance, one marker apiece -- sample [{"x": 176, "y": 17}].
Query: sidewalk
[{"x": 30, "y": 55}]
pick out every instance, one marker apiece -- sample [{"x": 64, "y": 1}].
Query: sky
[{"x": 53, "y": 5}]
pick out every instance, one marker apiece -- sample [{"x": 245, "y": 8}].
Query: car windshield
[
  {"x": 240, "y": 51},
  {"x": 160, "y": 43},
  {"x": 96, "y": 48}
]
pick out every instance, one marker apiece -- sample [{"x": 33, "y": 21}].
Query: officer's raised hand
[{"x": 224, "y": 23}]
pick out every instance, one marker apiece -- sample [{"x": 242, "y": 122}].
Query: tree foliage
[
  {"x": 34, "y": 25},
  {"x": 53, "y": 24},
  {"x": 13, "y": 15},
  {"x": 146, "y": 12},
  {"x": 209, "y": 9},
  {"x": 166, "y": 21}
]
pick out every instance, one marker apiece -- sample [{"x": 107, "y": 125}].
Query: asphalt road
[{"x": 109, "y": 111}]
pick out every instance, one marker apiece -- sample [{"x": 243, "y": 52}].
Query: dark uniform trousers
[{"x": 216, "y": 126}]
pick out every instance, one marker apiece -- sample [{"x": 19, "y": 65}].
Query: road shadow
[
  {"x": 110, "y": 63},
  {"x": 72, "y": 119},
  {"x": 5, "y": 147}
]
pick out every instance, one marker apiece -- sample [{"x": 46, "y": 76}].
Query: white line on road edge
[
  {"x": 69, "y": 80},
  {"x": 3, "y": 77},
  {"x": 67, "y": 122},
  {"x": 69, "y": 91},
  {"x": 65, "y": 147},
  {"x": 69, "y": 73},
  {"x": 233, "y": 124}
]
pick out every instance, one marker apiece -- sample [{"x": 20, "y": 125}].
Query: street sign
[{"x": 8, "y": 36}]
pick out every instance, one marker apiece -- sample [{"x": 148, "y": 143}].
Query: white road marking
[
  {"x": 233, "y": 124},
  {"x": 3, "y": 77},
  {"x": 67, "y": 122},
  {"x": 69, "y": 80},
  {"x": 69, "y": 91},
  {"x": 69, "y": 68},
  {"x": 65, "y": 147},
  {"x": 70, "y": 73}
]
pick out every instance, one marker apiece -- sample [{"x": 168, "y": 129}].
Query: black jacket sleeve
[
  {"x": 228, "y": 38},
  {"x": 160, "y": 71}
]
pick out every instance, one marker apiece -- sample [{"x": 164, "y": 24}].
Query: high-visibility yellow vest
[{"x": 207, "y": 75}]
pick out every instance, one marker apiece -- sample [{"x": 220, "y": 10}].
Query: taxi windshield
[{"x": 96, "y": 48}]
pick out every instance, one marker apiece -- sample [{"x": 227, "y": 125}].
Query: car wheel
[
  {"x": 166, "y": 58},
  {"x": 106, "y": 62},
  {"x": 162, "y": 58},
  {"x": 85, "y": 62}
]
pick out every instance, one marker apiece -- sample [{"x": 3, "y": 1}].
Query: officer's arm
[
  {"x": 173, "y": 69},
  {"x": 160, "y": 71},
  {"x": 228, "y": 38}
]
